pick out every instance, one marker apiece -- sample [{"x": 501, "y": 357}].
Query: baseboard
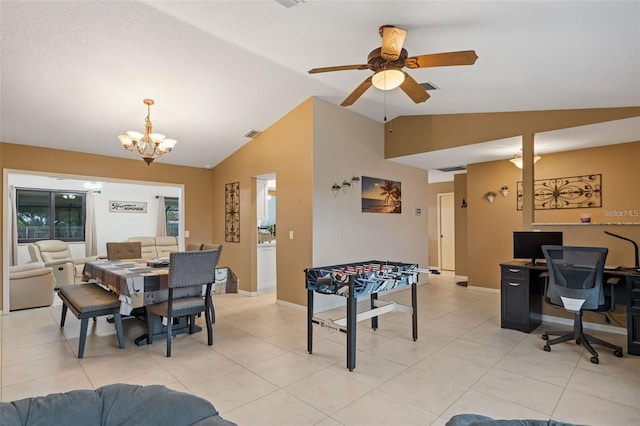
[
  {"x": 590, "y": 325},
  {"x": 484, "y": 289},
  {"x": 267, "y": 290},
  {"x": 247, "y": 293},
  {"x": 291, "y": 305}
]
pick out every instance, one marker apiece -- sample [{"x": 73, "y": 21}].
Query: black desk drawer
[{"x": 512, "y": 273}]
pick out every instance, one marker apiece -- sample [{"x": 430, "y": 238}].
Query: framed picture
[
  {"x": 128, "y": 206},
  {"x": 381, "y": 195}
]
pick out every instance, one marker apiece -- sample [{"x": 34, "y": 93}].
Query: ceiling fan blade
[
  {"x": 340, "y": 68},
  {"x": 392, "y": 41},
  {"x": 464, "y": 57},
  {"x": 357, "y": 93},
  {"x": 413, "y": 89}
]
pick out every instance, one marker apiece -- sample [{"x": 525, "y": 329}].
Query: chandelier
[{"x": 148, "y": 145}]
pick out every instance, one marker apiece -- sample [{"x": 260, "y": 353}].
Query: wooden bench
[{"x": 90, "y": 301}]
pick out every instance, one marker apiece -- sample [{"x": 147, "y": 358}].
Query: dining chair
[
  {"x": 124, "y": 250},
  {"x": 576, "y": 284},
  {"x": 187, "y": 269}
]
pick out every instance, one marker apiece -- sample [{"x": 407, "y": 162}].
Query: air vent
[
  {"x": 289, "y": 3},
  {"x": 429, "y": 86},
  {"x": 252, "y": 134},
  {"x": 453, "y": 169}
]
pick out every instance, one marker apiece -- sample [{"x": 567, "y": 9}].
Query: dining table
[{"x": 142, "y": 282}]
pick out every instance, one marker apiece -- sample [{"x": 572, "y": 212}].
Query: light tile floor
[{"x": 258, "y": 371}]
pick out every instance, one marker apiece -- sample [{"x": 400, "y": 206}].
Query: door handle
[{"x": 514, "y": 284}]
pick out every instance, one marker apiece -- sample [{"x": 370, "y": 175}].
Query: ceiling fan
[{"x": 387, "y": 62}]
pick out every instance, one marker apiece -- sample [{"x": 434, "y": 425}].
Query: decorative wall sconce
[
  {"x": 345, "y": 186},
  {"x": 504, "y": 190},
  {"x": 464, "y": 204},
  {"x": 490, "y": 196},
  {"x": 335, "y": 189}
]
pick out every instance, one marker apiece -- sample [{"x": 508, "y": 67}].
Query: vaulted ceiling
[{"x": 74, "y": 74}]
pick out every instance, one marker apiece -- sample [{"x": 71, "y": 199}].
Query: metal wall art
[
  {"x": 574, "y": 192},
  {"x": 232, "y": 212}
]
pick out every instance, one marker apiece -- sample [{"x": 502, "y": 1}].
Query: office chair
[{"x": 575, "y": 283}]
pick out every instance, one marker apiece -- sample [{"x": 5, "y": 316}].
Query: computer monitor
[{"x": 528, "y": 244}]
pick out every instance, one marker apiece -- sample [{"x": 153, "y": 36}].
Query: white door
[{"x": 446, "y": 230}]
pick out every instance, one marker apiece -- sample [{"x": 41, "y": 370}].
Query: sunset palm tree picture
[{"x": 381, "y": 196}]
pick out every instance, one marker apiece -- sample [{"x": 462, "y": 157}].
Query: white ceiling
[{"x": 74, "y": 74}]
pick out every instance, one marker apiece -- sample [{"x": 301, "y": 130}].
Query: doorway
[
  {"x": 446, "y": 232},
  {"x": 266, "y": 273}
]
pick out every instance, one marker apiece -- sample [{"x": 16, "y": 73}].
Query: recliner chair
[
  {"x": 55, "y": 254},
  {"x": 30, "y": 286},
  {"x": 576, "y": 283}
]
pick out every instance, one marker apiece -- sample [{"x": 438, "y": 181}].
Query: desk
[
  {"x": 139, "y": 285},
  {"x": 522, "y": 287},
  {"x": 358, "y": 279}
]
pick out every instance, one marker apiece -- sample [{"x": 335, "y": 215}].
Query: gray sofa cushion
[
  {"x": 480, "y": 420},
  {"x": 118, "y": 404}
]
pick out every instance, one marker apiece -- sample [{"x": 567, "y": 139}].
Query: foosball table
[{"x": 354, "y": 280}]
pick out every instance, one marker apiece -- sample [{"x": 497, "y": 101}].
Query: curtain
[
  {"x": 13, "y": 220},
  {"x": 161, "y": 230},
  {"x": 90, "y": 237}
]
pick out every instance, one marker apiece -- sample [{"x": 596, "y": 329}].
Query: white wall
[
  {"x": 109, "y": 226},
  {"x": 347, "y": 144}
]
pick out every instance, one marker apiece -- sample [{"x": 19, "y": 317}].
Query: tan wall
[
  {"x": 416, "y": 134},
  {"x": 197, "y": 182},
  {"x": 285, "y": 149},
  {"x": 432, "y": 220},
  {"x": 490, "y": 226},
  {"x": 462, "y": 240}
]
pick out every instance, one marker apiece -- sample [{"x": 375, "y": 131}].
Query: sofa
[
  {"x": 202, "y": 246},
  {"x": 480, "y": 420},
  {"x": 153, "y": 247},
  {"x": 117, "y": 404},
  {"x": 30, "y": 286},
  {"x": 56, "y": 255}
]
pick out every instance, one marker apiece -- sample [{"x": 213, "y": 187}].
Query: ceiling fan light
[{"x": 387, "y": 79}]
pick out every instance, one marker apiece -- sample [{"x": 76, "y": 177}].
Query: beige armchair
[
  {"x": 56, "y": 254},
  {"x": 30, "y": 286}
]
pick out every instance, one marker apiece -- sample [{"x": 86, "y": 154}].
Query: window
[
  {"x": 172, "y": 213},
  {"x": 50, "y": 215}
]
